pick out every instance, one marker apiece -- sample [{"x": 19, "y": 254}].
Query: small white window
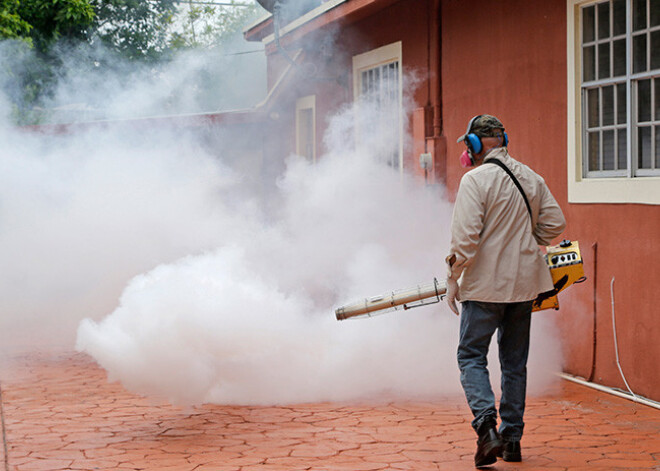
[
  {"x": 378, "y": 92},
  {"x": 306, "y": 127}
]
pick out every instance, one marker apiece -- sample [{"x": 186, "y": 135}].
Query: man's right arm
[{"x": 466, "y": 226}]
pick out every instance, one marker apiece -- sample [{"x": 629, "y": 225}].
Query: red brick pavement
[{"x": 60, "y": 413}]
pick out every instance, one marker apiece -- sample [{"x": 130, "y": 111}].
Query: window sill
[{"x": 639, "y": 190}]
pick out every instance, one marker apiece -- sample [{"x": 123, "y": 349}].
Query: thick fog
[{"x": 157, "y": 255}]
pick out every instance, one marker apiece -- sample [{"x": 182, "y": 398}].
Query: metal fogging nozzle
[{"x": 420, "y": 295}]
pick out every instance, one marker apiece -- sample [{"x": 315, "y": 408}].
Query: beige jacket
[{"x": 496, "y": 252}]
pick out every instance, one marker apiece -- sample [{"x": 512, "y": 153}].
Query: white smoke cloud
[
  {"x": 222, "y": 297},
  {"x": 81, "y": 215},
  {"x": 253, "y": 321}
]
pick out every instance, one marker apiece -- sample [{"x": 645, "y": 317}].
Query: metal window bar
[
  {"x": 604, "y": 78},
  {"x": 652, "y": 125}
]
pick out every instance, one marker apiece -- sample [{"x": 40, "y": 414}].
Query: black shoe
[
  {"x": 510, "y": 451},
  {"x": 489, "y": 444}
]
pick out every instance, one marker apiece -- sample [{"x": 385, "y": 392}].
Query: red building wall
[{"x": 509, "y": 59}]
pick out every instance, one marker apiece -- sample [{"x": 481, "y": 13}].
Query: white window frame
[
  {"x": 306, "y": 103},
  {"x": 612, "y": 189},
  {"x": 370, "y": 60}
]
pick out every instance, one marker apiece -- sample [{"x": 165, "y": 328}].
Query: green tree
[
  {"x": 210, "y": 25},
  {"x": 137, "y": 29},
  {"x": 53, "y": 40},
  {"x": 52, "y": 20},
  {"x": 12, "y": 26},
  {"x": 29, "y": 76}
]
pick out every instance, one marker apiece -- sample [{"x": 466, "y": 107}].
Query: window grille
[
  {"x": 620, "y": 83},
  {"x": 381, "y": 87}
]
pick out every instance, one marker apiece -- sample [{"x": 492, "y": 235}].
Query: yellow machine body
[{"x": 565, "y": 263}]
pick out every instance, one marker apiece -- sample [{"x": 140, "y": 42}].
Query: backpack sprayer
[{"x": 564, "y": 261}]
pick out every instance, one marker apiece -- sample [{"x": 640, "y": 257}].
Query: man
[{"x": 496, "y": 270}]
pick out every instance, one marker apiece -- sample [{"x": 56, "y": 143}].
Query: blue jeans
[{"x": 479, "y": 321}]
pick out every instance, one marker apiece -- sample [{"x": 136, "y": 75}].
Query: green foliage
[
  {"x": 207, "y": 25},
  {"x": 55, "y": 19},
  {"x": 29, "y": 78},
  {"x": 23, "y": 76},
  {"x": 12, "y": 26},
  {"x": 137, "y": 29},
  {"x": 41, "y": 39}
]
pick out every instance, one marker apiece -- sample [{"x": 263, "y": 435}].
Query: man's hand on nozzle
[
  {"x": 452, "y": 291},
  {"x": 452, "y": 284}
]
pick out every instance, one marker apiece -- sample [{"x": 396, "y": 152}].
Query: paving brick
[
  {"x": 219, "y": 466},
  {"x": 62, "y": 414},
  {"x": 2, "y": 448},
  {"x": 43, "y": 465}
]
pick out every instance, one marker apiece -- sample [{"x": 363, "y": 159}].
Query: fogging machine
[{"x": 564, "y": 261}]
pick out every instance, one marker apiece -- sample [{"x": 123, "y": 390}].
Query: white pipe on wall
[{"x": 600, "y": 387}]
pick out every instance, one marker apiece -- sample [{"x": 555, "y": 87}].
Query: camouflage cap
[{"x": 483, "y": 126}]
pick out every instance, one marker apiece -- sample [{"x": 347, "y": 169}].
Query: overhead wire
[{"x": 220, "y": 4}]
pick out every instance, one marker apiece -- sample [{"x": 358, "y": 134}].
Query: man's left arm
[{"x": 551, "y": 221}]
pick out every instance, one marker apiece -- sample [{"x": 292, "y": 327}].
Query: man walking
[{"x": 503, "y": 212}]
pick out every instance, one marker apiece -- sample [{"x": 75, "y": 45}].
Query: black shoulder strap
[{"x": 515, "y": 180}]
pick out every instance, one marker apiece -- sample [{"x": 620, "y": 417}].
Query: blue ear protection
[{"x": 473, "y": 141}]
